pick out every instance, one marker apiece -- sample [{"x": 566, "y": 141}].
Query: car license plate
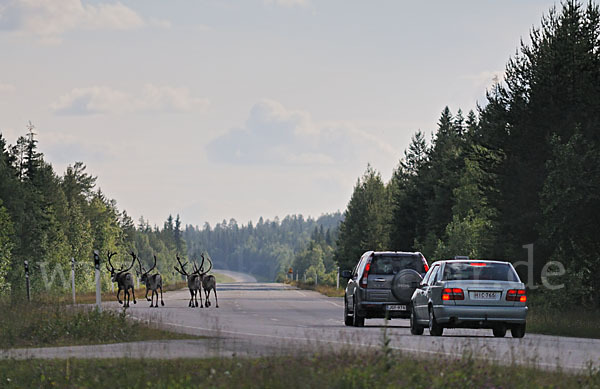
[
  {"x": 395, "y": 307},
  {"x": 485, "y": 295}
]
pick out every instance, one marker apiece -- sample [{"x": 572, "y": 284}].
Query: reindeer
[
  {"x": 194, "y": 282},
  {"x": 123, "y": 279},
  {"x": 152, "y": 282},
  {"x": 209, "y": 282}
]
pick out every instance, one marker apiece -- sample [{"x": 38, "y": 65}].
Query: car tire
[
  {"x": 415, "y": 328},
  {"x": 347, "y": 317},
  {"x": 434, "y": 328},
  {"x": 499, "y": 331},
  {"x": 404, "y": 284},
  {"x": 518, "y": 331},
  {"x": 357, "y": 320}
]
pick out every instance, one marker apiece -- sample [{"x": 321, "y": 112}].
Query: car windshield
[
  {"x": 392, "y": 264},
  {"x": 479, "y": 271}
]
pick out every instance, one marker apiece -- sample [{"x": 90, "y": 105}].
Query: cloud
[
  {"x": 485, "y": 79},
  {"x": 103, "y": 99},
  {"x": 50, "y": 19},
  {"x": 276, "y": 135},
  {"x": 6, "y": 88}
]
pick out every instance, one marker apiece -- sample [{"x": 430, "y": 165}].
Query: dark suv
[{"x": 382, "y": 284}]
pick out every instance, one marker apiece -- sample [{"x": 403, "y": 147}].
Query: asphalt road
[{"x": 269, "y": 318}]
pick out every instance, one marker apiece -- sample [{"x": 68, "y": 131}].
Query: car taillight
[
  {"x": 452, "y": 294},
  {"x": 363, "y": 280},
  {"x": 516, "y": 295},
  {"x": 425, "y": 265}
]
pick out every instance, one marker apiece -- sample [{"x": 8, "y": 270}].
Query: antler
[
  {"x": 109, "y": 255},
  {"x": 141, "y": 267},
  {"x": 182, "y": 270},
  {"x": 153, "y": 266},
  {"x": 202, "y": 264},
  {"x": 132, "y": 262},
  {"x": 210, "y": 262}
]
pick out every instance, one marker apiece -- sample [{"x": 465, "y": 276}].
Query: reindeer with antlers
[
  {"x": 152, "y": 282},
  {"x": 209, "y": 282},
  {"x": 123, "y": 279},
  {"x": 194, "y": 281}
]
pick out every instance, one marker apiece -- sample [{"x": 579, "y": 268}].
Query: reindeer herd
[{"x": 197, "y": 280}]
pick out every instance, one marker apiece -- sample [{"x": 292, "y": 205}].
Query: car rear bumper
[
  {"x": 478, "y": 316},
  {"x": 377, "y": 309}
]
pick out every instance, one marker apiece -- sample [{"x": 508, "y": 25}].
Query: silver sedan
[{"x": 470, "y": 294}]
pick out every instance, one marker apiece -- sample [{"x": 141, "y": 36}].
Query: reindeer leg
[
  {"x": 118, "y": 293},
  {"x": 161, "y": 297},
  {"x": 216, "y": 298},
  {"x": 153, "y": 293},
  {"x": 125, "y": 298},
  {"x": 147, "y": 294},
  {"x": 206, "y": 296},
  {"x": 196, "y": 296},
  {"x": 133, "y": 293},
  {"x": 191, "y": 303}
]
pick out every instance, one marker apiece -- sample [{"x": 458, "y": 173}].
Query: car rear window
[
  {"x": 479, "y": 271},
  {"x": 392, "y": 264}
]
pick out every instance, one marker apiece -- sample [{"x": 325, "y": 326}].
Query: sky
[{"x": 220, "y": 109}]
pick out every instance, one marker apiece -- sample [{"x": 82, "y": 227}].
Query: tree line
[
  {"x": 47, "y": 219},
  {"x": 524, "y": 168},
  {"x": 268, "y": 249}
]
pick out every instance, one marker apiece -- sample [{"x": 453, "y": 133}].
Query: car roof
[
  {"x": 471, "y": 260},
  {"x": 396, "y": 253}
]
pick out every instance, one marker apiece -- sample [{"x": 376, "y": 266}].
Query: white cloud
[
  {"x": 50, "y": 19},
  {"x": 276, "y": 135},
  {"x": 103, "y": 99},
  {"x": 6, "y": 88},
  {"x": 485, "y": 79}
]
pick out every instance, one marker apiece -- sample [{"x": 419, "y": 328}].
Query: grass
[
  {"x": 40, "y": 325},
  {"x": 330, "y": 291},
  {"x": 552, "y": 320},
  {"x": 222, "y": 278},
  {"x": 331, "y": 370}
]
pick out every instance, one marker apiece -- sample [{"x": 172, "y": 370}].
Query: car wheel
[
  {"x": 499, "y": 332},
  {"x": 347, "y": 317},
  {"x": 415, "y": 328},
  {"x": 518, "y": 331},
  {"x": 434, "y": 328},
  {"x": 357, "y": 320}
]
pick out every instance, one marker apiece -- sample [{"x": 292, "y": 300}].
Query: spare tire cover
[{"x": 404, "y": 284}]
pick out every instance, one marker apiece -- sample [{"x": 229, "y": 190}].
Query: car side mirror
[{"x": 346, "y": 274}]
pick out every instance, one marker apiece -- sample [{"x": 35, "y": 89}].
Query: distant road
[
  {"x": 271, "y": 318},
  {"x": 238, "y": 277}
]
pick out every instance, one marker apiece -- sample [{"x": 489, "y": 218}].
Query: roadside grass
[
  {"x": 345, "y": 369},
  {"x": 222, "y": 279},
  {"x": 45, "y": 324},
  {"x": 330, "y": 291},
  {"x": 551, "y": 320}
]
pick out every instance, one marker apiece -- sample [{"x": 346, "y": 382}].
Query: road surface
[{"x": 269, "y": 318}]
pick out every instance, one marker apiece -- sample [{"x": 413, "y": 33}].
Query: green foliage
[
  {"x": 6, "y": 245},
  {"x": 270, "y": 248},
  {"x": 523, "y": 169},
  {"x": 366, "y": 220},
  {"x": 47, "y": 220}
]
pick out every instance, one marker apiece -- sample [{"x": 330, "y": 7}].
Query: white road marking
[
  {"x": 300, "y": 293},
  {"x": 337, "y": 305}
]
